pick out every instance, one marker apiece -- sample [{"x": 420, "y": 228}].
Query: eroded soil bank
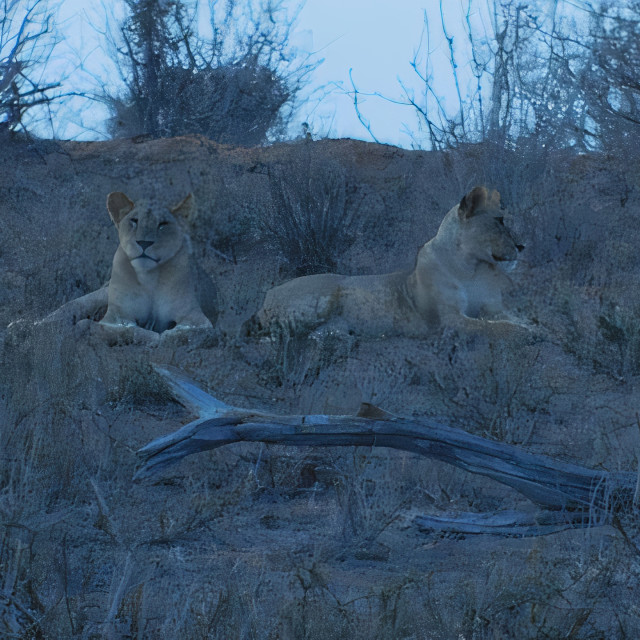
[{"x": 256, "y": 541}]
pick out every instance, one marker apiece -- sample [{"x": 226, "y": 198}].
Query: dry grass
[
  {"x": 310, "y": 222},
  {"x": 266, "y": 542}
]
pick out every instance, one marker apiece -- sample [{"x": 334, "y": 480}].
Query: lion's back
[{"x": 302, "y": 302}]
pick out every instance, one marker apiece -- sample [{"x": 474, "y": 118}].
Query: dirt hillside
[{"x": 255, "y": 541}]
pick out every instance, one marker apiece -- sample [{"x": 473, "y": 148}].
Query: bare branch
[
  {"x": 23, "y": 50},
  {"x": 454, "y": 66},
  {"x": 592, "y": 495},
  {"x": 363, "y": 121}
]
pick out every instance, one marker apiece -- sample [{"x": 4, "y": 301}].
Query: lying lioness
[
  {"x": 154, "y": 283},
  {"x": 461, "y": 273}
]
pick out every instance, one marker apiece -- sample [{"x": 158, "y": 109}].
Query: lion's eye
[
  {"x": 162, "y": 225},
  {"x": 134, "y": 222},
  {"x": 500, "y": 220}
]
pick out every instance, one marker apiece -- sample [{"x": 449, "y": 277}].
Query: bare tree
[
  {"x": 562, "y": 74},
  {"x": 235, "y": 86},
  {"x": 610, "y": 79},
  {"x": 27, "y": 39},
  {"x": 524, "y": 80}
]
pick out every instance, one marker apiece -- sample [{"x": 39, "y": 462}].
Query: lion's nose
[
  {"x": 145, "y": 244},
  {"x": 519, "y": 247}
]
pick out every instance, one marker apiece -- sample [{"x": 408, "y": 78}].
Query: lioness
[
  {"x": 154, "y": 283},
  {"x": 460, "y": 273}
]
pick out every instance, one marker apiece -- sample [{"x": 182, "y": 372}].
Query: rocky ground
[{"x": 257, "y": 541}]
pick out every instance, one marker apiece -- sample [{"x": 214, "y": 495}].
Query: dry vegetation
[{"x": 258, "y": 541}]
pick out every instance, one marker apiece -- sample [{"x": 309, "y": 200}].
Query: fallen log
[
  {"x": 503, "y": 523},
  {"x": 585, "y": 497}
]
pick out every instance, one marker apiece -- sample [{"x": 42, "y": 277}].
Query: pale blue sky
[{"x": 376, "y": 38}]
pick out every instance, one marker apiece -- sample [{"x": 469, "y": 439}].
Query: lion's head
[
  {"x": 481, "y": 234},
  {"x": 149, "y": 235}
]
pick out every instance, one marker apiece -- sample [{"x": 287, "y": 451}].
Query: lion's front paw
[
  {"x": 194, "y": 337},
  {"x": 83, "y": 328},
  {"x": 122, "y": 334}
]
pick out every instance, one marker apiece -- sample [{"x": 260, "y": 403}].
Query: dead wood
[
  {"x": 504, "y": 523},
  {"x": 582, "y": 496}
]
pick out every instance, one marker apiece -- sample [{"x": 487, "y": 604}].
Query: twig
[
  {"x": 117, "y": 598},
  {"x": 365, "y": 123},
  {"x": 65, "y": 582},
  {"x": 636, "y": 494},
  {"x": 224, "y": 256}
]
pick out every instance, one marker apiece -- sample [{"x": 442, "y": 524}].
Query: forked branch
[{"x": 579, "y": 496}]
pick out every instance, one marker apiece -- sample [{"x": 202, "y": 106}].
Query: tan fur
[
  {"x": 458, "y": 274},
  {"x": 153, "y": 282}
]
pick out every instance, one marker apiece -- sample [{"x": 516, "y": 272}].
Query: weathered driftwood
[
  {"x": 504, "y": 523},
  {"x": 584, "y": 497}
]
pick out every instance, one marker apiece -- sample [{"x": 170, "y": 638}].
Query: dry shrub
[
  {"x": 139, "y": 385},
  {"x": 602, "y": 334},
  {"x": 309, "y": 223}
]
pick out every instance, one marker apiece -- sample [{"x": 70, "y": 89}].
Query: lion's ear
[
  {"x": 185, "y": 208},
  {"x": 494, "y": 200},
  {"x": 475, "y": 200},
  {"x": 118, "y": 205}
]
